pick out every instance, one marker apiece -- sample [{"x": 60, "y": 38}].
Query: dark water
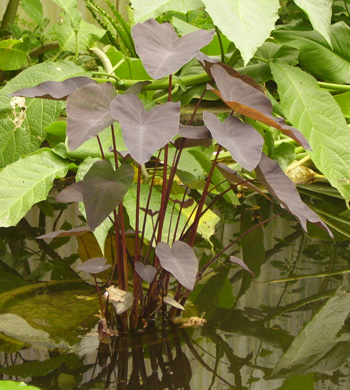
[{"x": 291, "y": 334}]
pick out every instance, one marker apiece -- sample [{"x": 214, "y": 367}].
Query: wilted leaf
[
  {"x": 120, "y": 299},
  {"x": 103, "y": 189},
  {"x": 145, "y": 132},
  {"x": 88, "y": 112},
  {"x": 56, "y": 90},
  {"x": 180, "y": 261},
  {"x": 147, "y": 272},
  {"x": 66, "y": 233},
  {"x": 242, "y": 141},
  {"x": 171, "y": 301},
  {"x": 94, "y": 265},
  {"x": 250, "y": 102},
  {"x": 162, "y": 52},
  {"x": 241, "y": 263}
]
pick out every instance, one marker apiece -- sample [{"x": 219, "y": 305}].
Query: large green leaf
[
  {"x": 316, "y": 114},
  {"x": 13, "y": 54},
  {"x": 11, "y": 385},
  {"x": 319, "y": 336},
  {"x": 26, "y": 182},
  {"x": 317, "y": 57},
  {"x": 247, "y": 23},
  {"x": 71, "y": 9},
  {"x": 319, "y": 13},
  {"x": 24, "y": 120},
  {"x": 145, "y": 9}
]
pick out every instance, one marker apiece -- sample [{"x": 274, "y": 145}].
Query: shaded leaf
[
  {"x": 103, "y": 189},
  {"x": 66, "y": 233},
  {"x": 282, "y": 188},
  {"x": 94, "y": 265},
  {"x": 242, "y": 141},
  {"x": 171, "y": 301},
  {"x": 147, "y": 272},
  {"x": 320, "y": 119},
  {"x": 194, "y": 132},
  {"x": 180, "y": 261},
  {"x": 250, "y": 102},
  {"x": 56, "y": 90},
  {"x": 236, "y": 260},
  {"x": 162, "y": 52},
  {"x": 72, "y": 193},
  {"x": 145, "y": 132},
  {"x": 120, "y": 299},
  {"x": 88, "y": 112}
]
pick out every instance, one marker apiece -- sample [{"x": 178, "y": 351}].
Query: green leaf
[
  {"x": 145, "y": 9},
  {"x": 315, "y": 113},
  {"x": 317, "y": 57},
  {"x": 319, "y": 12},
  {"x": 247, "y": 23},
  {"x": 319, "y": 336},
  {"x": 13, "y": 54},
  {"x": 71, "y": 9},
  {"x": 34, "y": 9},
  {"x": 26, "y": 182},
  {"x": 343, "y": 99},
  {"x": 10, "y": 385}
]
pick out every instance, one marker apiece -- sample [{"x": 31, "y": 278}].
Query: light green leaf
[
  {"x": 34, "y": 9},
  {"x": 343, "y": 99},
  {"x": 319, "y": 12},
  {"x": 13, "y": 54},
  {"x": 317, "y": 57},
  {"x": 71, "y": 9},
  {"x": 315, "y": 113},
  {"x": 319, "y": 335},
  {"x": 26, "y": 182},
  {"x": 11, "y": 385},
  {"x": 145, "y": 9},
  {"x": 247, "y": 23}
]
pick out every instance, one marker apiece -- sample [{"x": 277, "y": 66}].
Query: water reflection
[{"x": 282, "y": 335}]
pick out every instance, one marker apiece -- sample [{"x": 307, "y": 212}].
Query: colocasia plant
[{"x": 146, "y": 187}]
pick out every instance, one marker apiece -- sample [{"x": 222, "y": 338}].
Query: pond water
[{"x": 262, "y": 333}]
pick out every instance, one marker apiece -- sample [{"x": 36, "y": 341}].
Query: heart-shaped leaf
[
  {"x": 88, "y": 112},
  {"x": 147, "y": 272},
  {"x": 103, "y": 189},
  {"x": 72, "y": 193},
  {"x": 283, "y": 189},
  {"x": 250, "y": 102},
  {"x": 162, "y": 52},
  {"x": 145, "y": 132},
  {"x": 239, "y": 138},
  {"x": 79, "y": 231},
  {"x": 94, "y": 265},
  {"x": 55, "y": 90},
  {"x": 180, "y": 261}
]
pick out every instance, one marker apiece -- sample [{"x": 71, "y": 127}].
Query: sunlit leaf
[
  {"x": 162, "y": 52},
  {"x": 171, "y": 301},
  {"x": 145, "y": 132},
  {"x": 242, "y": 141},
  {"x": 180, "y": 261},
  {"x": 13, "y": 54},
  {"x": 147, "y": 272},
  {"x": 66, "y": 233},
  {"x": 11, "y": 385},
  {"x": 94, "y": 265}
]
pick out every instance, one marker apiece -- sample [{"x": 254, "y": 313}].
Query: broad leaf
[
  {"x": 26, "y": 182},
  {"x": 242, "y": 141},
  {"x": 13, "y": 54},
  {"x": 34, "y": 9},
  {"x": 94, "y": 266},
  {"x": 271, "y": 176},
  {"x": 88, "y": 112},
  {"x": 145, "y": 132},
  {"x": 12, "y": 385},
  {"x": 66, "y": 233},
  {"x": 250, "y": 102},
  {"x": 317, "y": 57},
  {"x": 247, "y": 23},
  {"x": 103, "y": 189},
  {"x": 162, "y": 52},
  {"x": 180, "y": 261},
  {"x": 319, "y": 13},
  {"x": 319, "y": 118},
  {"x": 72, "y": 193},
  {"x": 71, "y": 9},
  {"x": 145, "y": 9},
  {"x": 147, "y": 272},
  {"x": 56, "y": 90}
]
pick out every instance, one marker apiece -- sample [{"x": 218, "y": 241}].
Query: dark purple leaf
[
  {"x": 191, "y": 143},
  {"x": 194, "y": 132},
  {"x": 241, "y": 263},
  {"x": 88, "y": 112},
  {"x": 103, "y": 189},
  {"x": 73, "y": 193},
  {"x": 233, "y": 177},
  {"x": 180, "y": 261},
  {"x": 271, "y": 176},
  {"x": 94, "y": 265},
  {"x": 239, "y": 138},
  {"x": 145, "y": 132},
  {"x": 149, "y": 212},
  {"x": 250, "y": 102},
  {"x": 55, "y": 90},
  {"x": 79, "y": 231},
  {"x": 185, "y": 204},
  {"x": 136, "y": 88},
  {"x": 162, "y": 52},
  {"x": 147, "y": 272}
]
